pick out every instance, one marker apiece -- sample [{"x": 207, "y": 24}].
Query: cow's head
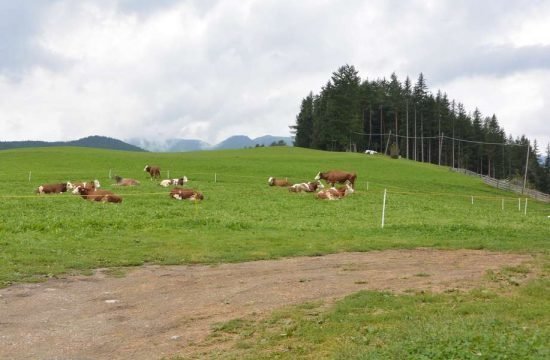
[
  {"x": 318, "y": 177},
  {"x": 271, "y": 181},
  {"x": 70, "y": 186},
  {"x": 147, "y": 168}
]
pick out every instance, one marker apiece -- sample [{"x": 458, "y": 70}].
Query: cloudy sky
[{"x": 208, "y": 69}]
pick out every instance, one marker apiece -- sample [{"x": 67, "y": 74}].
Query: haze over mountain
[{"x": 232, "y": 142}]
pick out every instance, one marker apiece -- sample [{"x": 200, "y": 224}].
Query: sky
[{"x": 209, "y": 69}]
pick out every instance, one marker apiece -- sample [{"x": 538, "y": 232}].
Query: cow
[
  {"x": 335, "y": 176},
  {"x": 53, "y": 188},
  {"x": 98, "y": 195},
  {"x": 278, "y": 182},
  {"x": 125, "y": 181},
  {"x": 185, "y": 194},
  {"x": 335, "y": 193},
  {"x": 154, "y": 171},
  {"x": 87, "y": 184},
  {"x": 181, "y": 181},
  {"x": 311, "y": 186}
]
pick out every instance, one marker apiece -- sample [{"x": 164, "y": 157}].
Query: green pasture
[{"x": 242, "y": 218}]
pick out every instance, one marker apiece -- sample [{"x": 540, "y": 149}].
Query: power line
[{"x": 438, "y": 137}]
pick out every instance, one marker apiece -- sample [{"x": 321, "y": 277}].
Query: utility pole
[
  {"x": 407, "y": 131},
  {"x": 526, "y": 166},
  {"x": 422, "y": 136},
  {"x": 440, "y": 147},
  {"x": 381, "y": 130},
  {"x": 414, "y": 132}
]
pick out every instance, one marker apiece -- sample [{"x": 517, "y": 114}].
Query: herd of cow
[
  {"x": 331, "y": 177},
  {"x": 90, "y": 190}
]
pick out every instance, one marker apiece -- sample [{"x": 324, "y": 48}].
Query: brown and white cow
[
  {"x": 125, "y": 181},
  {"x": 278, "y": 182},
  {"x": 52, "y": 188},
  {"x": 311, "y": 186},
  {"x": 98, "y": 195},
  {"x": 186, "y": 194},
  {"x": 335, "y": 193},
  {"x": 336, "y": 176},
  {"x": 181, "y": 181},
  {"x": 154, "y": 171},
  {"x": 87, "y": 184}
]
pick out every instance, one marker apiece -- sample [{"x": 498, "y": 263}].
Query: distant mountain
[
  {"x": 233, "y": 142},
  {"x": 242, "y": 141},
  {"x": 169, "y": 145},
  {"x": 100, "y": 142},
  {"x": 267, "y": 140}
]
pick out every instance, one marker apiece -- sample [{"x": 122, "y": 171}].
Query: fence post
[
  {"x": 502, "y": 204},
  {"x": 383, "y": 209},
  {"x": 525, "y": 207},
  {"x": 30, "y": 176},
  {"x": 215, "y": 177}
]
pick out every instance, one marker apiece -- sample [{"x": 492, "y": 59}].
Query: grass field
[{"x": 242, "y": 218}]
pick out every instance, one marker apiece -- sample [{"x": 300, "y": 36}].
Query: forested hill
[
  {"x": 101, "y": 142},
  {"x": 402, "y": 119}
]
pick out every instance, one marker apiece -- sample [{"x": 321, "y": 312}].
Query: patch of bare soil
[{"x": 158, "y": 311}]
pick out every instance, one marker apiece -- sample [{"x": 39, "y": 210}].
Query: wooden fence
[{"x": 507, "y": 185}]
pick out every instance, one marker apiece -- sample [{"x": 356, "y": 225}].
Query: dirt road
[{"x": 156, "y": 311}]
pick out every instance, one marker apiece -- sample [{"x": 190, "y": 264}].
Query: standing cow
[
  {"x": 336, "y": 176},
  {"x": 154, "y": 171}
]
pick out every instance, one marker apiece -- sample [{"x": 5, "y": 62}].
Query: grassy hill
[{"x": 242, "y": 218}]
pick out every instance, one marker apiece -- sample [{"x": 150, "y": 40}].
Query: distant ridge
[
  {"x": 100, "y": 142},
  {"x": 232, "y": 142}
]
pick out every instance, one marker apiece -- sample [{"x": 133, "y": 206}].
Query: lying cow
[
  {"x": 87, "y": 184},
  {"x": 335, "y": 176},
  {"x": 186, "y": 194},
  {"x": 334, "y": 193},
  {"x": 278, "y": 182},
  {"x": 154, "y": 171},
  {"x": 98, "y": 195},
  {"x": 311, "y": 186},
  {"x": 181, "y": 181},
  {"x": 52, "y": 188},
  {"x": 125, "y": 181}
]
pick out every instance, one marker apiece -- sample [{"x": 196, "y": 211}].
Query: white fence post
[
  {"x": 525, "y": 207},
  {"x": 215, "y": 177},
  {"x": 384, "y": 209},
  {"x": 30, "y": 176}
]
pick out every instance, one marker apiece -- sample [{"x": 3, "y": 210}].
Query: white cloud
[{"x": 211, "y": 69}]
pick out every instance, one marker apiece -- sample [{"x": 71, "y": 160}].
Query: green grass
[
  {"x": 479, "y": 324},
  {"x": 241, "y": 217}
]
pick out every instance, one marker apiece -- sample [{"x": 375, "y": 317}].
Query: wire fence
[{"x": 507, "y": 185}]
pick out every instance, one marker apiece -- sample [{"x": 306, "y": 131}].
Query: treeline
[{"x": 405, "y": 119}]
